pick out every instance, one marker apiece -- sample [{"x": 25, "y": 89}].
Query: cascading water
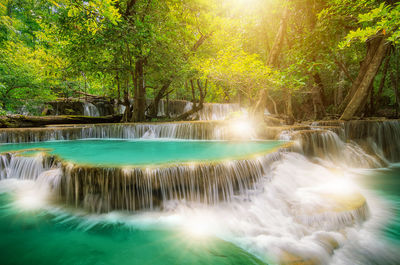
[
  {"x": 161, "y": 109},
  {"x": 327, "y": 145},
  {"x": 105, "y": 185},
  {"x": 174, "y": 108},
  {"x": 90, "y": 110},
  {"x": 181, "y": 130},
  {"x": 303, "y": 206},
  {"x": 213, "y": 111}
]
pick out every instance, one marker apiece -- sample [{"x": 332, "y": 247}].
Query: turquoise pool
[
  {"x": 146, "y": 152},
  {"x": 42, "y": 237},
  {"x": 386, "y": 182}
]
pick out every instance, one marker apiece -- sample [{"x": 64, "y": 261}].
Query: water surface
[
  {"x": 143, "y": 152},
  {"x": 386, "y": 182},
  {"x": 43, "y": 237}
]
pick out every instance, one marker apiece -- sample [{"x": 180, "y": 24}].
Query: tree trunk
[
  {"x": 259, "y": 108},
  {"x": 167, "y": 106},
  {"x": 319, "y": 110},
  {"x": 372, "y": 47},
  {"x": 128, "y": 111},
  {"x": 273, "y": 103},
  {"x": 118, "y": 88},
  {"x": 382, "y": 83},
  {"x": 193, "y": 92},
  {"x": 364, "y": 109},
  {"x": 196, "y": 106},
  {"x": 140, "y": 95},
  {"x": 371, "y": 109},
  {"x": 280, "y": 36},
  {"x": 319, "y": 89},
  {"x": 395, "y": 85},
  {"x": 273, "y": 57},
  {"x": 161, "y": 93},
  {"x": 288, "y": 106},
  {"x": 366, "y": 75},
  {"x": 343, "y": 68}
]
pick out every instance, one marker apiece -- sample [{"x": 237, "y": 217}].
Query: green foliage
[
  {"x": 53, "y": 48},
  {"x": 384, "y": 19},
  {"x": 22, "y": 79}
]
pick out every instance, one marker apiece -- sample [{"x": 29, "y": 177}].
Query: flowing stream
[{"x": 332, "y": 197}]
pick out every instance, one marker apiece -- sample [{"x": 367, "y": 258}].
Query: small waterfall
[
  {"x": 180, "y": 130},
  {"x": 106, "y": 189},
  {"x": 216, "y": 111},
  {"x": 200, "y": 131},
  {"x": 174, "y": 108},
  {"x": 4, "y": 166},
  {"x": 24, "y": 167},
  {"x": 328, "y": 145},
  {"x": 161, "y": 111},
  {"x": 188, "y": 106},
  {"x": 381, "y": 136},
  {"x": 210, "y": 111},
  {"x": 384, "y": 134},
  {"x": 355, "y": 143},
  {"x": 103, "y": 190},
  {"x": 90, "y": 110},
  {"x": 121, "y": 109},
  {"x": 149, "y": 134}
]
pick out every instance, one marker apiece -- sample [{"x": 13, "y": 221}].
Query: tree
[{"x": 380, "y": 31}]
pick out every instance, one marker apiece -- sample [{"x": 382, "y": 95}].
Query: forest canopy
[{"x": 304, "y": 59}]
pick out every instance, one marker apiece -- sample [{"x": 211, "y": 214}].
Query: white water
[
  {"x": 121, "y": 109},
  {"x": 278, "y": 216},
  {"x": 198, "y": 131},
  {"x": 213, "y": 111},
  {"x": 90, "y": 110},
  {"x": 277, "y": 219},
  {"x": 286, "y": 212}
]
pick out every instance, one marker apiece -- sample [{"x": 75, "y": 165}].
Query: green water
[
  {"x": 387, "y": 183},
  {"x": 142, "y": 152},
  {"x": 41, "y": 237}
]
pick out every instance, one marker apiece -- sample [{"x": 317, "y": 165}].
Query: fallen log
[{"x": 21, "y": 121}]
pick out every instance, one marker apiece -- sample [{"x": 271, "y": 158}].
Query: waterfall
[
  {"x": 105, "y": 189},
  {"x": 329, "y": 146},
  {"x": 161, "y": 111},
  {"x": 210, "y": 111},
  {"x": 213, "y": 111},
  {"x": 294, "y": 217},
  {"x": 21, "y": 167},
  {"x": 355, "y": 143},
  {"x": 384, "y": 134},
  {"x": 188, "y": 106},
  {"x": 216, "y": 111},
  {"x": 300, "y": 204},
  {"x": 90, "y": 110},
  {"x": 180, "y": 130},
  {"x": 381, "y": 136},
  {"x": 121, "y": 109}
]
